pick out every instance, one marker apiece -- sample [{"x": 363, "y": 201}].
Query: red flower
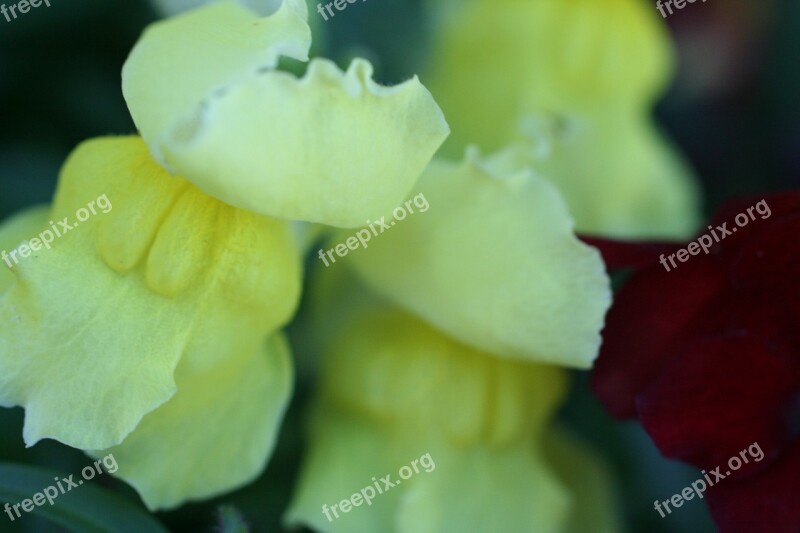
[{"x": 707, "y": 356}]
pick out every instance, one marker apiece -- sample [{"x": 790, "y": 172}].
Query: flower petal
[
  {"x": 331, "y": 147},
  {"x": 345, "y": 454},
  {"x": 582, "y": 95},
  {"x": 764, "y": 503},
  {"x": 197, "y": 276},
  {"x": 390, "y": 365},
  {"x": 181, "y": 62},
  {"x": 229, "y": 414},
  {"x": 172, "y": 7},
  {"x": 650, "y": 322},
  {"x": 20, "y": 227},
  {"x": 493, "y": 262},
  {"x": 594, "y": 506},
  {"x": 394, "y": 389},
  {"x": 578, "y": 54},
  {"x": 346, "y": 148},
  {"x": 719, "y": 397},
  {"x": 620, "y": 178},
  {"x": 508, "y": 489}
]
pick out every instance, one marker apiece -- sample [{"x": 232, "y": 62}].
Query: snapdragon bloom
[
  {"x": 706, "y": 357},
  {"x": 154, "y": 332}
]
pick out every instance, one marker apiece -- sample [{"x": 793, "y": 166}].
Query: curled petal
[
  {"x": 180, "y": 63},
  {"x": 331, "y": 147},
  {"x": 493, "y": 262}
]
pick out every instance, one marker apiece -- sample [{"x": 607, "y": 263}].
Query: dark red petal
[
  {"x": 651, "y": 320},
  {"x": 780, "y": 205},
  {"x": 769, "y": 258},
  {"x": 639, "y": 254},
  {"x": 629, "y": 254},
  {"x": 720, "y": 396},
  {"x": 756, "y": 314},
  {"x": 769, "y": 502}
]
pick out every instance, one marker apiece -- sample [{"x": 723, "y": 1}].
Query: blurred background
[{"x": 732, "y": 110}]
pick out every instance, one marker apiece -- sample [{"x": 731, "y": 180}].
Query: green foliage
[{"x": 85, "y": 509}]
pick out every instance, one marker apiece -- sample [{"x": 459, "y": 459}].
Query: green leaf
[{"x": 86, "y": 508}]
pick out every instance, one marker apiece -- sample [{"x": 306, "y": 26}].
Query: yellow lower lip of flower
[
  {"x": 20, "y": 227},
  {"x": 229, "y": 414},
  {"x": 199, "y": 277}
]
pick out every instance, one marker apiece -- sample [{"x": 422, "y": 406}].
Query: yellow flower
[
  {"x": 20, "y": 227},
  {"x": 578, "y": 78},
  {"x": 152, "y": 331},
  {"x": 494, "y": 263},
  {"x": 495, "y": 267},
  {"x": 94, "y": 327},
  {"x": 395, "y": 389},
  {"x": 332, "y": 147}
]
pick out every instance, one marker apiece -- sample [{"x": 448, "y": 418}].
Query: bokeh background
[{"x": 733, "y": 110}]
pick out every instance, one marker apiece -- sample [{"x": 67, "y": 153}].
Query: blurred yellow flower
[
  {"x": 574, "y": 83},
  {"x": 393, "y": 388}
]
